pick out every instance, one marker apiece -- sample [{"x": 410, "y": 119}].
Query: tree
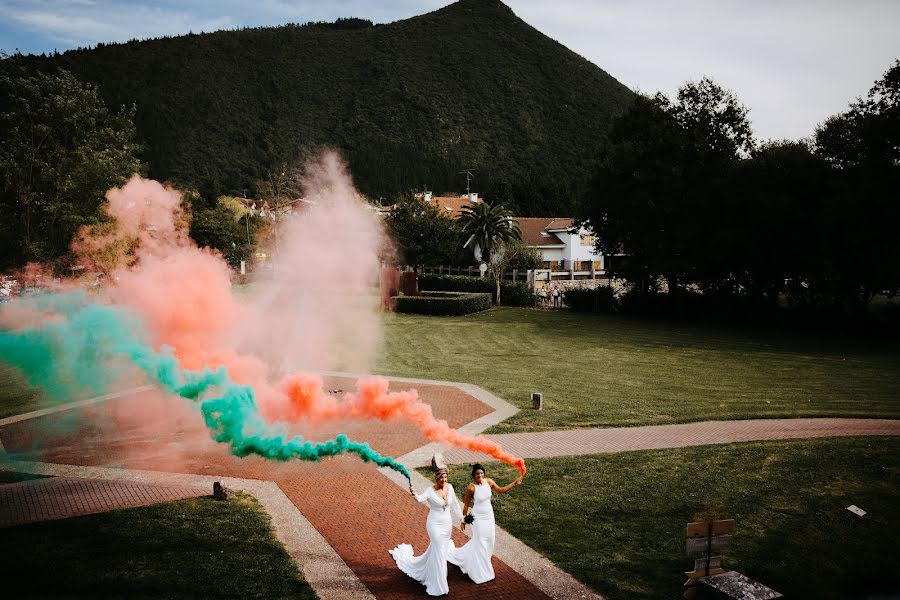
[
  {"x": 61, "y": 151},
  {"x": 424, "y": 235},
  {"x": 868, "y": 134},
  {"x": 488, "y": 227},
  {"x": 863, "y": 147},
  {"x": 279, "y": 188},
  {"x": 777, "y": 223},
  {"x": 716, "y": 118},
  {"x": 518, "y": 255},
  {"x": 657, "y": 188},
  {"x": 227, "y": 227},
  {"x": 514, "y": 254},
  {"x": 634, "y": 201}
]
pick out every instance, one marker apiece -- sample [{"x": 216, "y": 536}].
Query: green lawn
[
  {"x": 611, "y": 370},
  {"x": 197, "y": 548},
  {"x": 617, "y": 521},
  {"x": 16, "y": 397}
]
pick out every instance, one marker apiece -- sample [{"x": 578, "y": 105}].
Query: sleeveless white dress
[
  {"x": 430, "y": 568},
  {"x": 474, "y": 559}
]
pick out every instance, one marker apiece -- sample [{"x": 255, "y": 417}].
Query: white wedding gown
[
  {"x": 430, "y": 568},
  {"x": 474, "y": 559}
]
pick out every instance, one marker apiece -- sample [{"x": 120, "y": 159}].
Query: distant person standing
[
  {"x": 555, "y": 294},
  {"x": 542, "y": 295}
]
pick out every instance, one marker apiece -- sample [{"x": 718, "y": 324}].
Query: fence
[{"x": 535, "y": 278}]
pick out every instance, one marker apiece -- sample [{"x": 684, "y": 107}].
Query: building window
[{"x": 588, "y": 240}]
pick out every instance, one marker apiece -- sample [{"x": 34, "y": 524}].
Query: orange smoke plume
[{"x": 304, "y": 399}]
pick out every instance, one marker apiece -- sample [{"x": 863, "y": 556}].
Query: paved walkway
[
  {"x": 62, "y": 497},
  {"x": 358, "y": 512},
  {"x": 576, "y": 442},
  {"x": 337, "y": 518}
]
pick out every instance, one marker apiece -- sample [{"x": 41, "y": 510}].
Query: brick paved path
[
  {"x": 62, "y": 497},
  {"x": 596, "y": 441},
  {"x": 358, "y": 511}
]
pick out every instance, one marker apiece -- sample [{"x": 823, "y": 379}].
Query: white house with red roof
[{"x": 562, "y": 244}]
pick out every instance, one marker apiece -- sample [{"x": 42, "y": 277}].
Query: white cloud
[{"x": 88, "y": 22}]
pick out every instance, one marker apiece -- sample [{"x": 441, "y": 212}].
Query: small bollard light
[
  {"x": 537, "y": 401},
  {"x": 219, "y": 492}
]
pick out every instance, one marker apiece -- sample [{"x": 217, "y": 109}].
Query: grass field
[
  {"x": 617, "y": 521},
  {"x": 627, "y": 510},
  {"x": 197, "y": 548},
  {"x": 17, "y": 397},
  {"x": 610, "y": 370}
]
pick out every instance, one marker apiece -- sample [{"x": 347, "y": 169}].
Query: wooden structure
[
  {"x": 709, "y": 579},
  {"x": 706, "y": 537}
]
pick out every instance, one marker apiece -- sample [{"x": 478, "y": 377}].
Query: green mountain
[{"x": 410, "y": 104}]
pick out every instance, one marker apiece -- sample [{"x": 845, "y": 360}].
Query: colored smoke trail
[
  {"x": 317, "y": 310},
  {"x": 83, "y": 341},
  {"x": 306, "y": 400}
]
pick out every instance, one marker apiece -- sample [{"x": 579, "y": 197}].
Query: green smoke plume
[{"x": 81, "y": 344}]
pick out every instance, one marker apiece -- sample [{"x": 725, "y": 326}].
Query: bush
[
  {"x": 511, "y": 294},
  {"x": 600, "y": 299},
  {"x": 442, "y": 303}
]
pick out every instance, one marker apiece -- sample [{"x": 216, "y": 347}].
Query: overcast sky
[{"x": 792, "y": 62}]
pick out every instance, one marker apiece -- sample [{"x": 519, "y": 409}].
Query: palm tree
[{"x": 489, "y": 227}]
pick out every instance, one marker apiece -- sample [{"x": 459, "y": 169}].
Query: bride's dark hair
[{"x": 475, "y": 467}]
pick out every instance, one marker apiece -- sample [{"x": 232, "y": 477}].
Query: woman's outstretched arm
[{"x": 505, "y": 488}]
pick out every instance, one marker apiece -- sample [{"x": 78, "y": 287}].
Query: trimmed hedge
[
  {"x": 511, "y": 294},
  {"x": 600, "y": 299},
  {"x": 442, "y": 303}
]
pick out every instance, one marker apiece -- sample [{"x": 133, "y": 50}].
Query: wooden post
[
  {"x": 515, "y": 275},
  {"x": 537, "y": 401},
  {"x": 219, "y": 492}
]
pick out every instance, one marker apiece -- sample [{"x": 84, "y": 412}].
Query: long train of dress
[
  {"x": 474, "y": 558},
  {"x": 430, "y": 568}
]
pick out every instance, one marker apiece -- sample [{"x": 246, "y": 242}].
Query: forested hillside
[{"x": 409, "y": 103}]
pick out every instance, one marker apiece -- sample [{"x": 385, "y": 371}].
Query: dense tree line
[
  {"x": 693, "y": 203},
  {"x": 409, "y": 104}
]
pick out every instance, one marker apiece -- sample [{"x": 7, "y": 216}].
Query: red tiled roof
[
  {"x": 560, "y": 223},
  {"x": 534, "y": 231},
  {"x": 453, "y": 203}
]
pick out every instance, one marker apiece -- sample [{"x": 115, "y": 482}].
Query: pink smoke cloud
[{"x": 317, "y": 310}]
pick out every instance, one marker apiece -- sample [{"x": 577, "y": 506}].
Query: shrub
[
  {"x": 600, "y": 299},
  {"x": 511, "y": 294},
  {"x": 442, "y": 303}
]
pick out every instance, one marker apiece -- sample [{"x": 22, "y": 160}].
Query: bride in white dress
[
  {"x": 430, "y": 568},
  {"x": 474, "y": 558}
]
